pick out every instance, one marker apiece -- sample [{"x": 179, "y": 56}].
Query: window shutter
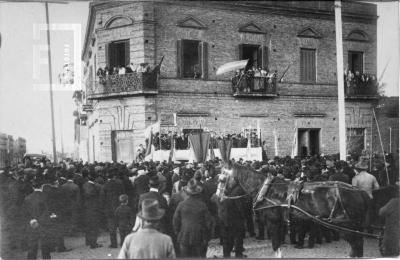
[
  {"x": 302, "y": 66},
  {"x": 265, "y": 62},
  {"x": 259, "y": 57},
  {"x": 307, "y": 65},
  {"x": 350, "y": 60},
  {"x": 240, "y": 51},
  {"x": 107, "y": 54},
  {"x": 179, "y": 59},
  {"x": 204, "y": 60},
  {"x": 313, "y": 68},
  {"x": 127, "y": 53}
]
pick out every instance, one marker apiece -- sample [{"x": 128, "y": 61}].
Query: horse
[{"x": 331, "y": 203}]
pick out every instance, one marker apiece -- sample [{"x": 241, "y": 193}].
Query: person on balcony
[
  {"x": 257, "y": 79},
  {"x": 121, "y": 70},
  {"x": 115, "y": 71},
  {"x": 196, "y": 71},
  {"x": 144, "y": 67},
  {"x": 270, "y": 75},
  {"x": 128, "y": 68}
]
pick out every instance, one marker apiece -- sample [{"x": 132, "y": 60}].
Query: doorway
[
  {"x": 122, "y": 145},
  {"x": 308, "y": 142},
  {"x": 253, "y": 53}
]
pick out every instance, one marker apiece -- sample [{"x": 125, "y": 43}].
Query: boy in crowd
[{"x": 124, "y": 217}]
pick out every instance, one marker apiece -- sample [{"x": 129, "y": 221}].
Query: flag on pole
[
  {"x": 258, "y": 132},
  {"x": 232, "y": 66},
  {"x": 294, "y": 144},
  {"x": 248, "y": 146}
]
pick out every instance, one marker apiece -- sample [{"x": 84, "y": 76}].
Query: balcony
[
  {"x": 247, "y": 85},
  {"x": 130, "y": 84},
  {"x": 360, "y": 88}
]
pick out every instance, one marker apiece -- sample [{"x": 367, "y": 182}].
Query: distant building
[
  {"x": 11, "y": 151},
  {"x": 292, "y": 40},
  {"x": 387, "y": 114}
]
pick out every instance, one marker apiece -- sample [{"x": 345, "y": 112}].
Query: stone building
[{"x": 296, "y": 109}]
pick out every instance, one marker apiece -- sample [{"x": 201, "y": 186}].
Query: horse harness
[{"x": 327, "y": 222}]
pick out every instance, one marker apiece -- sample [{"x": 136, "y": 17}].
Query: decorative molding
[
  {"x": 191, "y": 22},
  {"x": 192, "y": 114},
  {"x": 309, "y": 115},
  {"x": 254, "y": 115},
  {"x": 357, "y": 36},
  {"x": 251, "y": 28},
  {"x": 309, "y": 32},
  {"x": 118, "y": 21}
]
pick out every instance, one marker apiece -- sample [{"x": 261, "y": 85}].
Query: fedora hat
[
  {"x": 362, "y": 165},
  {"x": 193, "y": 188},
  {"x": 151, "y": 210}
]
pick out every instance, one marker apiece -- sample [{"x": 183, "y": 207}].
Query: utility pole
[
  {"x": 340, "y": 80},
  {"x": 61, "y": 135},
  {"x": 51, "y": 85}
]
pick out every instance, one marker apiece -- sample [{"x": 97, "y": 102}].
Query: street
[{"x": 254, "y": 249}]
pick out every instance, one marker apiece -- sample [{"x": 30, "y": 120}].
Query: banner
[
  {"x": 225, "y": 147},
  {"x": 199, "y": 143}
]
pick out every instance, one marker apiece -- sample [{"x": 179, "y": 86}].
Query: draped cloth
[
  {"x": 212, "y": 155},
  {"x": 149, "y": 144},
  {"x": 171, "y": 152},
  {"x": 199, "y": 143},
  {"x": 225, "y": 147}
]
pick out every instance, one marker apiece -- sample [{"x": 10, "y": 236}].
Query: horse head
[{"x": 226, "y": 180}]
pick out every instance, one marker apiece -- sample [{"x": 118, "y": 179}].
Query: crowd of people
[
  {"x": 162, "y": 141},
  {"x": 254, "y": 80},
  {"x": 360, "y": 80},
  {"x": 121, "y": 70},
  {"x": 171, "y": 205}
]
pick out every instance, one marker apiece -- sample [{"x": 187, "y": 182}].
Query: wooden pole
[
  {"x": 370, "y": 154},
  {"x": 340, "y": 80},
  {"x": 51, "y": 85},
  {"x": 383, "y": 151},
  {"x": 390, "y": 139}
]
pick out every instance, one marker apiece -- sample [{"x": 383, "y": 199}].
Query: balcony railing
[
  {"x": 361, "y": 88},
  {"x": 247, "y": 85},
  {"x": 135, "y": 83}
]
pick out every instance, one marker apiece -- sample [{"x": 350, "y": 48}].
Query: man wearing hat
[
  {"x": 363, "y": 179},
  {"x": 92, "y": 210},
  {"x": 192, "y": 223},
  {"x": 147, "y": 242},
  {"x": 155, "y": 194},
  {"x": 140, "y": 185},
  {"x": 38, "y": 217},
  {"x": 73, "y": 197},
  {"x": 109, "y": 197}
]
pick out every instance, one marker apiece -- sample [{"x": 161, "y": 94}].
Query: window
[
  {"x": 355, "y": 140},
  {"x": 257, "y": 55},
  {"x": 192, "y": 59},
  {"x": 307, "y": 65},
  {"x": 355, "y": 61},
  {"x": 117, "y": 54}
]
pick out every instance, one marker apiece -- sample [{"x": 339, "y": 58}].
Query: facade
[{"x": 295, "y": 109}]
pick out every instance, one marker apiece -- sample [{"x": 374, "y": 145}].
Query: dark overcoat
[{"x": 191, "y": 222}]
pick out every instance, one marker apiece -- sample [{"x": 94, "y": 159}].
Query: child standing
[{"x": 124, "y": 217}]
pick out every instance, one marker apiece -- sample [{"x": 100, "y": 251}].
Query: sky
[{"x": 24, "y": 102}]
